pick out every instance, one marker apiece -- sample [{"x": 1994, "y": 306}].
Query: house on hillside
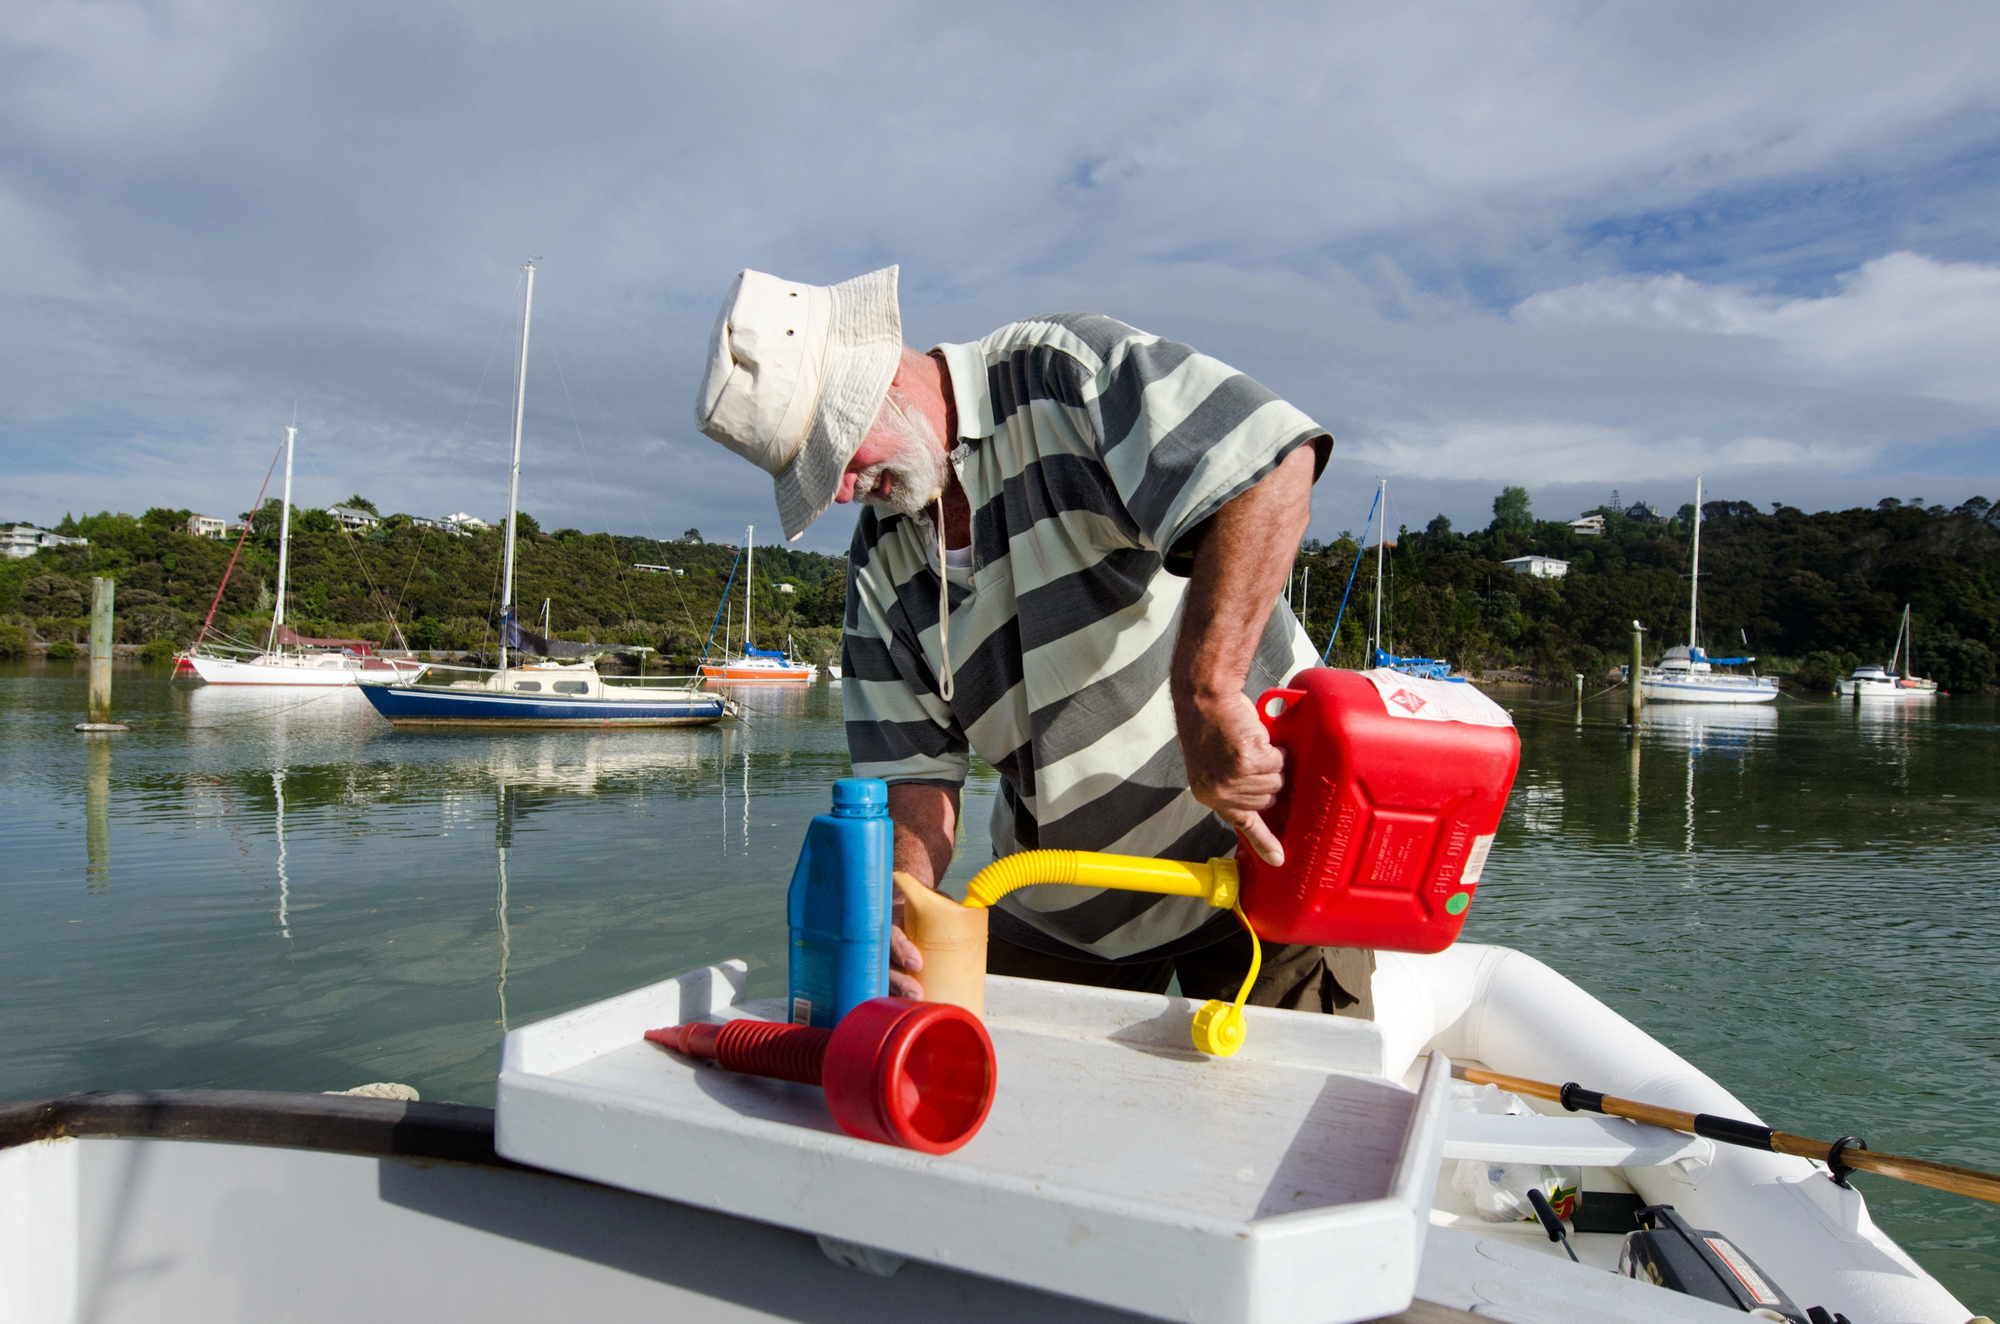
[
  {"x": 206, "y": 526},
  {"x": 1590, "y": 526},
  {"x": 471, "y": 523},
  {"x": 1541, "y": 567},
  {"x": 1642, "y": 512},
  {"x": 24, "y": 540},
  {"x": 352, "y": 517}
]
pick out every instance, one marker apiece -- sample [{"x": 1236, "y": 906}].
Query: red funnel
[{"x": 915, "y": 1074}]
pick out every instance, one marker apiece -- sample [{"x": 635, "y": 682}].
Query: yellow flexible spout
[
  {"x": 1214, "y": 882},
  {"x": 1218, "y": 1026}
]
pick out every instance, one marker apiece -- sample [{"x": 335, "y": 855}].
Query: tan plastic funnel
[{"x": 953, "y": 940}]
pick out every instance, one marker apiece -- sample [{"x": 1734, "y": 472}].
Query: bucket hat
[{"x": 796, "y": 374}]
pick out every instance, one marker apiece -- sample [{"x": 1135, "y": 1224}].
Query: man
[{"x": 1073, "y": 539}]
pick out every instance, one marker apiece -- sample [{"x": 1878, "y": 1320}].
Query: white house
[
  {"x": 205, "y": 526},
  {"x": 352, "y": 517},
  {"x": 1541, "y": 567},
  {"x": 1590, "y": 526},
  {"x": 465, "y": 521},
  {"x": 23, "y": 540}
]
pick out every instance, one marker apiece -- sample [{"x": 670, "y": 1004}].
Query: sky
[{"x": 1575, "y": 247}]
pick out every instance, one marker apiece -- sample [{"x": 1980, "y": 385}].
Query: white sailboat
[
  {"x": 1885, "y": 682},
  {"x": 290, "y": 658},
  {"x": 755, "y": 664},
  {"x": 1686, "y": 674}
]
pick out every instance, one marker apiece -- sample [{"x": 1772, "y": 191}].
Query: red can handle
[{"x": 1281, "y": 700}]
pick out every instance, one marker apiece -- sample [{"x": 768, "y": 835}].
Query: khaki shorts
[{"x": 1331, "y": 980}]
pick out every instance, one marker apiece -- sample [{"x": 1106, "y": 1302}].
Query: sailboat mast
[
  {"x": 1694, "y": 580},
  {"x": 284, "y": 542},
  {"x": 1381, "y": 545},
  {"x": 749, "y": 562},
  {"x": 514, "y": 474}
]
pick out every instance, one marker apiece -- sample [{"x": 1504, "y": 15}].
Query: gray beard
[{"x": 917, "y": 470}]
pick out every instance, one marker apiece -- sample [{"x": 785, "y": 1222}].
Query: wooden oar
[{"x": 1841, "y": 1156}]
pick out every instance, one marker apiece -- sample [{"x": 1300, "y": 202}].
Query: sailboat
[
  {"x": 1430, "y": 668},
  {"x": 290, "y": 658},
  {"x": 549, "y": 691},
  {"x": 1885, "y": 682},
  {"x": 1686, "y": 674},
  {"x": 752, "y": 664}
]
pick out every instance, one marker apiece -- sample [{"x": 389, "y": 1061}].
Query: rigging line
[
  {"x": 645, "y": 517},
  {"x": 366, "y": 577},
  {"x": 1360, "y": 547},
  {"x": 452, "y": 464},
  {"x": 240, "y": 540},
  {"x": 590, "y": 472}
]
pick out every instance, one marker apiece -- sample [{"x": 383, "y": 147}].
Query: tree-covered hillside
[
  {"x": 1812, "y": 595},
  {"x": 442, "y": 589}
]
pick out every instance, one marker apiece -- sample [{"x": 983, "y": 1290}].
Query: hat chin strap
[{"x": 945, "y": 684}]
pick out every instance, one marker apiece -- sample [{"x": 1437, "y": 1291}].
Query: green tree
[{"x": 1510, "y": 510}]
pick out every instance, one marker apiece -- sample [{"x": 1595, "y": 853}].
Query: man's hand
[
  {"x": 926, "y": 819},
  {"x": 1241, "y": 561},
  {"x": 1234, "y": 769}
]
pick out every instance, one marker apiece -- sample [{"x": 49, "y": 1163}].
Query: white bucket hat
[{"x": 796, "y": 374}]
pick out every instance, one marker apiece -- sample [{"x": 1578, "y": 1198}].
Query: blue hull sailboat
[{"x": 561, "y": 687}]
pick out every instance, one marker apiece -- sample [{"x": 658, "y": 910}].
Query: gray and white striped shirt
[{"x": 1090, "y": 452}]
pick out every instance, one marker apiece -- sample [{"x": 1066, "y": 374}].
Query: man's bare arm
[
  {"x": 926, "y": 819},
  {"x": 1241, "y": 561}
]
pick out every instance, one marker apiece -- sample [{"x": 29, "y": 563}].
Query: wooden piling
[
  {"x": 1637, "y": 701},
  {"x": 102, "y": 621}
]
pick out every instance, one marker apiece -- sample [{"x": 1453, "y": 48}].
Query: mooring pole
[
  {"x": 100, "y": 659},
  {"x": 1579, "y": 696},
  {"x": 100, "y": 649},
  {"x": 1637, "y": 701}
]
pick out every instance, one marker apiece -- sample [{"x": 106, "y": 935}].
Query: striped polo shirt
[{"x": 1090, "y": 452}]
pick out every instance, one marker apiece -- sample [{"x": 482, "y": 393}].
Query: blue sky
[{"x": 1577, "y": 247}]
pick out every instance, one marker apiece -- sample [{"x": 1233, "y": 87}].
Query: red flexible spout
[{"x": 915, "y": 1074}]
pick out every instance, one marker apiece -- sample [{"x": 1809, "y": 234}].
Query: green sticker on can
[{"x": 1458, "y": 903}]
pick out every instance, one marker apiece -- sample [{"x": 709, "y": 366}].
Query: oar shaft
[{"x": 1750, "y": 1135}]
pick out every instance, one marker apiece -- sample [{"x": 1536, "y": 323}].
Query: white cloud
[
  {"x": 1903, "y": 323},
  {"x": 208, "y": 210}
]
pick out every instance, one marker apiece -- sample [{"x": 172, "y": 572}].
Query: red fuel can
[{"x": 1394, "y": 788}]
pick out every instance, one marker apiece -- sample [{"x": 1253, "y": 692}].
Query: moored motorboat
[
  {"x": 112, "y": 1206},
  {"x": 1872, "y": 682}
]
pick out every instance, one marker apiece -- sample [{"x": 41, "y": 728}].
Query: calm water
[{"x": 273, "y": 890}]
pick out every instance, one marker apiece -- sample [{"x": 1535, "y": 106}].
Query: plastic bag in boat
[{"x": 1499, "y": 1191}]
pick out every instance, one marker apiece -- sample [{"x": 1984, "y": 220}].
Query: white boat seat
[{"x": 1572, "y": 1142}]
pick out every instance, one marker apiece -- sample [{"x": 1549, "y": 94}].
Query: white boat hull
[
  {"x": 1707, "y": 689},
  {"x": 381, "y": 1205},
  {"x": 1886, "y": 691},
  {"x": 304, "y": 669},
  {"x": 1507, "y": 1011}
]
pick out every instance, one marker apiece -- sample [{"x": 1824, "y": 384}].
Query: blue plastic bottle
[{"x": 839, "y": 907}]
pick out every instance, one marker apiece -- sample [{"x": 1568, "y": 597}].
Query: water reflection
[
  {"x": 503, "y": 838},
  {"x": 97, "y": 813},
  {"x": 1697, "y": 727},
  {"x": 278, "y": 829}
]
